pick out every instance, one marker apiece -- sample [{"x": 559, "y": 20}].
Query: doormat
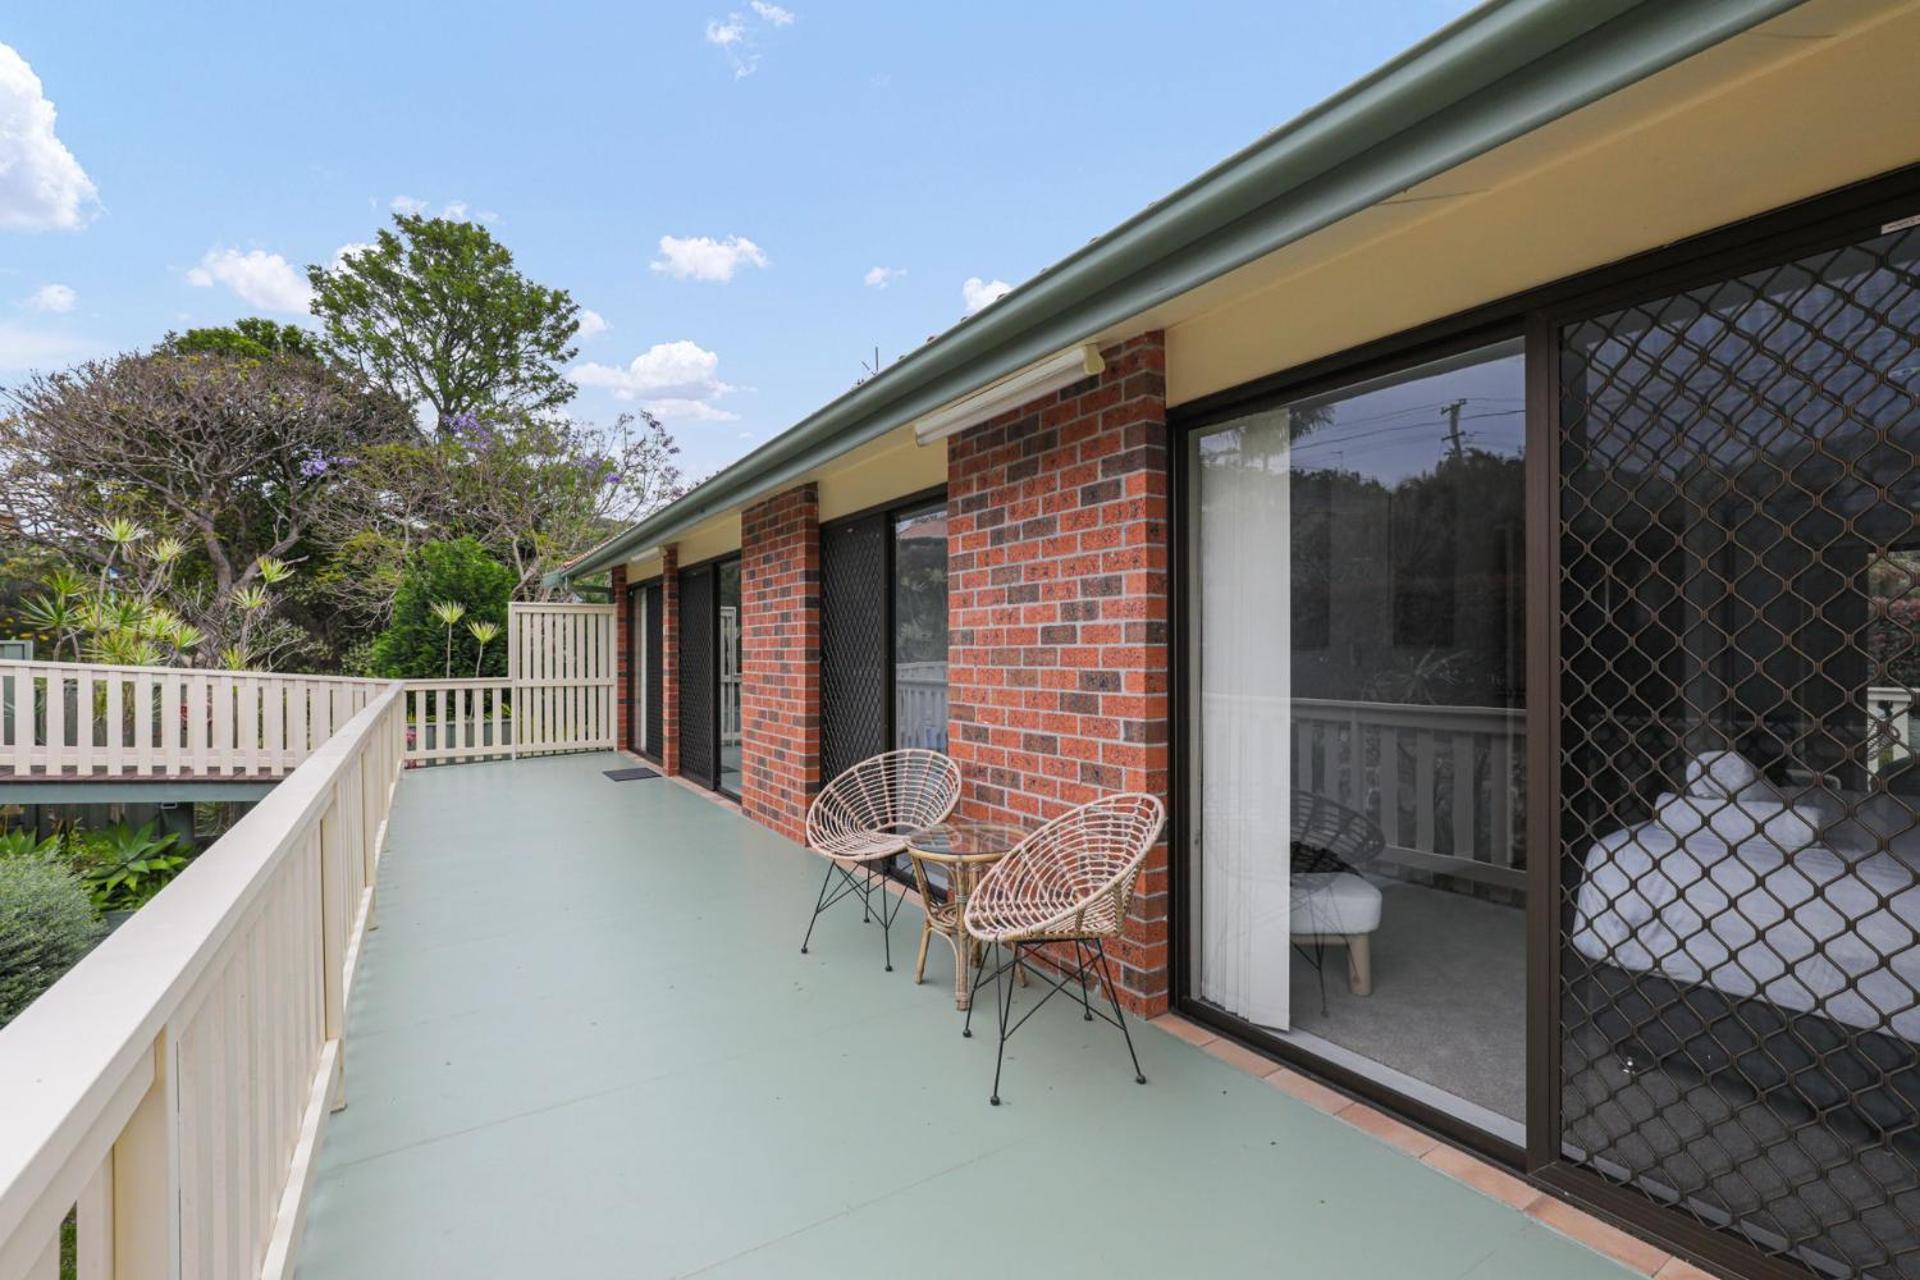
[{"x": 630, "y": 775}]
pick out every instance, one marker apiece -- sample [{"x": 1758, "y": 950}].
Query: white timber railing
[
  {"x": 172, "y": 1088},
  {"x": 1889, "y": 726},
  {"x": 1442, "y": 782},
  {"x": 74, "y": 721},
  {"x": 920, "y": 705}
]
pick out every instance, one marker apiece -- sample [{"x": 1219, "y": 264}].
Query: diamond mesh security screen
[
  {"x": 854, "y": 654},
  {"x": 699, "y": 673},
  {"x": 1740, "y": 814},
  {"x": 653, "y": 606}
]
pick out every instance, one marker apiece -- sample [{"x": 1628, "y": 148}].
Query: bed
[{"x": 1772, "y": 943}]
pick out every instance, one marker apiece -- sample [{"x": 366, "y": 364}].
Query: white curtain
[{"x": 1244, "y": 647}]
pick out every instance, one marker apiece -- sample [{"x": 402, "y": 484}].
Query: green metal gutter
[{"x": 1503, "y": 70}]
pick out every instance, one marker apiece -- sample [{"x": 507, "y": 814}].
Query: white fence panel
[
  {"x": 80, "y": 722},
  {"x": 170, "y": 1089}
]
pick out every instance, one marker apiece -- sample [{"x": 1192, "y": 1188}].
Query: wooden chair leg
[
  {"x": 920, "y": 965},
  {"x": 1360, "y": 964}
]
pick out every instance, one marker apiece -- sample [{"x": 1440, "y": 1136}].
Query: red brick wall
[
  {"x": 670, "y": 660},
  {"x": 1059, "y": 611},
  {"x": 623, "y": 650},
  {"x": 780, "y": 659}
]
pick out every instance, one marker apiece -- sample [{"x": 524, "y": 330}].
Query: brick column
[
  {"x": 780, "y": 659},
  {"x": 670, "y": 660},
  {"x": 1059, "y": 611},
  {"x": 623, "y": 657}
]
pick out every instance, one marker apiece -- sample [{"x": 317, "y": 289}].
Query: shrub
[
  {"x": 414, "y": 645},
  {"x": 46, "y": 925}
]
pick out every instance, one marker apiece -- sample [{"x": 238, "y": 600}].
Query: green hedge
[{"x": 414, "y": 645}]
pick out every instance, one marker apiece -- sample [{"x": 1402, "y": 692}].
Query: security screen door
[
  {"x": 1739, "y": 819},
  {"x": 699, "y": 674},
  {"x": 854, "y": 646}
]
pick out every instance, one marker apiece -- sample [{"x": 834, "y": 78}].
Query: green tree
[
  {"x": 46, "y": 926},
  {"x": 252, "y": 339},
  {"x": 435, "y": 311},
  {"x": 417, "y": 644}
]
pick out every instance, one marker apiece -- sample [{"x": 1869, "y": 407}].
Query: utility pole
[{"x": 1452, "y": 411}]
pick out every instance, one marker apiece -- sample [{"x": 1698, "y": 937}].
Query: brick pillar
[
  {"x": 623, "y": 657},
  {"x": 1059, "y": 612},
  {"x": 670, "y": 660},
  {"x": 780, "y": 659}
]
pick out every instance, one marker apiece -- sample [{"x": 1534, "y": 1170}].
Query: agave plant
[
  {"x": 235, "y": 657},
  {"x": 449, "y": 612},
  {"x": 485, "y": 633},
  {"x": 251, "y": 599},
  {"x": 60, "y": 610},
  {"x": 165, "y": 551},
  {"x": 124, "y": 649},
  {"x": 121, "y": 533},
  {"x": 274, "y": 571}
]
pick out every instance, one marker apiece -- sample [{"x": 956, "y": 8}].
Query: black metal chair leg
[
  {"x": 866, "y": 897},
  {"x": 886, "y": 920},
  {"x": 1113, "y": 994},
  {"x": 1080, "y": 963},
  {"x": 1006, "y": 1011},
  {"x": 818, "y": 904},
  {"x": 979, "y": 973}
]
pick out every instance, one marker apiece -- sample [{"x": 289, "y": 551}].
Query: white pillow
[
  {"x": 1728, "y": 775},
  {"x": 1734, "y": 822}
]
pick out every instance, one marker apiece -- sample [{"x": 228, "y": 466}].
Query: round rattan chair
[
  {"x": 1333, "y": 904},
  {"x": 1069, "y": 882},
  {"x": 863, "y": 818}
]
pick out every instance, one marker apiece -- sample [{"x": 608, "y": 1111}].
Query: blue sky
[{"x": 787, "y": 152}]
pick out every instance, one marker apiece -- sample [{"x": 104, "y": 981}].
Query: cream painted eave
[{"x": 1814, "y": 100}]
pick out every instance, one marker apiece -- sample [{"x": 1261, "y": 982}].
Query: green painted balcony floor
[{"x": 583, "y": 1042}]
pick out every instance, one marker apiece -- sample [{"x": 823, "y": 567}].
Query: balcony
[{"x": 577, "y": 1037}]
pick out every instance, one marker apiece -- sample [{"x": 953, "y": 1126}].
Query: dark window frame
[
  {"x": 1826, "y": 221},
  {"x": 890, "y": 512},
  {"x": 710, "y": 779}
]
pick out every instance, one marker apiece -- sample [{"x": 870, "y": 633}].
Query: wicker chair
[
  {"x": 1068, "y": 882},
  {"x": 1334, "y": 904},
  {"x": 863, "y": 818}
]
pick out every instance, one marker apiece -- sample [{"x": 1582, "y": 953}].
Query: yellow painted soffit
[{"x": 1814, "y": 100}]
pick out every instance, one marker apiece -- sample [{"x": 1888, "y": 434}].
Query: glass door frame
[
  {"x": 1822, "y": 222},
  {"x": 640, "y": 652},
  {"x": 1184, "y": 424},
  {"x": 888, "y": 512},
  {"x": 708, "y": 773}
]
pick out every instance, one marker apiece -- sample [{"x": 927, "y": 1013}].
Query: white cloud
[
  {"x": 881, "y": 277},
  {"x": 42, "y": 186},
  {"x": 704, "y": 258},
  {"x": 978, "y": 293},
  {"x": 24, "y": 347},
  {"x": 672, "y": 379},
  {"x": 257, "y": 278},
  {"x": 52, "y": 297},
  {"x": 341, "y": 254},
  {"x": 457, "y": 210},
  {"x": 591, "y": 323},
  {"x": 738, "y": 36}
]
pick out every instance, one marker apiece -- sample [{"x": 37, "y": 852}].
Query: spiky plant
[
  {"x": 484, "y": 633},
  {"x": 449, "y": 612}
]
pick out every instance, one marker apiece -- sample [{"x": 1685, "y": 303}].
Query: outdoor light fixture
[{"x": 1051, "y": 374}]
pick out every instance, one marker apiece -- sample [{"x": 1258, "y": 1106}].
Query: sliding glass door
[
  {"x": 643, "y": 670},
  {"x": 710, "y": 736},
  {"x": 1357, "y": 677},
  {"x": 883, "y": 634}
]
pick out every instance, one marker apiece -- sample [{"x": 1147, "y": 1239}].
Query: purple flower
[{"x": 613, "y": 478}]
